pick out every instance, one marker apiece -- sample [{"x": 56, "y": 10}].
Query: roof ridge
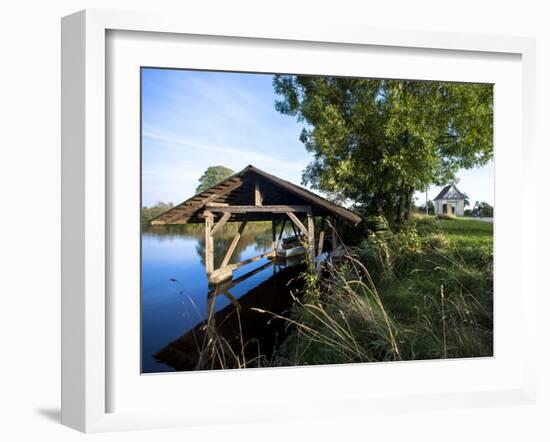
[{"x": 299, "y": 191}]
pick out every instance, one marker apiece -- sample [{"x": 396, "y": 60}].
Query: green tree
[
  {"x": 148, "y": 213},
  {"x": 211, "y": 176},
  {"x": 486, "y": 209},
  {"x": 377, "y": 141}
]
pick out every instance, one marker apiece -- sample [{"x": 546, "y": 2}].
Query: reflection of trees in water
[{"x": 258, "y": 233}]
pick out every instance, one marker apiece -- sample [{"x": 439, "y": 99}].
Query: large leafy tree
[
  {"x": 375, "y": 142},
  {"x": 213, "y": 175}
]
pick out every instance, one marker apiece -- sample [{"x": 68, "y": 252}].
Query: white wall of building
[{"x": 457, "y": 204}]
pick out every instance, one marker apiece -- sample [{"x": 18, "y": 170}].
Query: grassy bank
[{"x": 421, "y": 293}]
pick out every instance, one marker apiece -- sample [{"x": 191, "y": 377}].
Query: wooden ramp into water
[{"x": 237, "y": 329}]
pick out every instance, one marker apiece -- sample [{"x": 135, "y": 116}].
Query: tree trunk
[
  {"x": 408, "y": 210},
  {"x": 402, "y": 208},
  {"x": 398, "y": 211}
]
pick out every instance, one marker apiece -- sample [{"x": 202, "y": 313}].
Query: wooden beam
[
  {"x": 208, "y": 243},
  {"x": 225, "y": 273},
  {"x": 249, "y": 260},
  {"x": 220, "y": 223},
  {"x": 311, "y": 237},
  {"x": 273, "y": 234},
  {"x": 294, "y": 229},
  {"x": 259, "y": 209},
  {"x": 321, "y": 242},
  {"x": 257, "y": 194},
  {"x": 233, "y": 245},
  {"x": 321, "y": 237},
  {"x": 281, "y": 233},
  {"x": 297, "y": 222}
]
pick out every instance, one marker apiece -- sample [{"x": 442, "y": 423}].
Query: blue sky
[{"x": 194, "y": 119}]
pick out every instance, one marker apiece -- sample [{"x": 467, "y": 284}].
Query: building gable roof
[
  {"x": 238, "y": 189},
  {"x": 449, "y": 192}
]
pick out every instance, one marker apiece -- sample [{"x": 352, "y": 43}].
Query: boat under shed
[{"x": 254, "y": 195}]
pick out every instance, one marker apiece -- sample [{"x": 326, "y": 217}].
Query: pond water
[{"x": 174, "y": 288}]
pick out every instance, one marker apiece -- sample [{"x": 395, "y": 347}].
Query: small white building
[{"x": 450, "y": 201}]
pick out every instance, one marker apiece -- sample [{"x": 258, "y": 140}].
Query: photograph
[{"x": 299, "y": 220}]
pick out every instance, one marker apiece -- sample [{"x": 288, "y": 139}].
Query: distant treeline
[{"x": 148, "y": 213}]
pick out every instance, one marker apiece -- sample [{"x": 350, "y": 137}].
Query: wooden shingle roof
[{"x": 238, "y": 190}]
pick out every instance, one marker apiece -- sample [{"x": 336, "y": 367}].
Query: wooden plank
[
  {"x": 233, "y": 245},
  {"x": 220, "y": 223},
  {"x": 208, "y": 243},
  {"x": 298, "y": 223},
  {"x": 260, "y": 209},
  {"x": 257, "y": 194}
]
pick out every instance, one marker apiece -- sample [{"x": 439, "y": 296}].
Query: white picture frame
[{"x": 85, "y": 202}]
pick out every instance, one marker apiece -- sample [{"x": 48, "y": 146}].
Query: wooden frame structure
[{"x": 254, "y": 195}]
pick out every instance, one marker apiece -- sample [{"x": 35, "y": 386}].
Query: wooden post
[
  {"x": 311, "y": 237},
  {"x": 208, "y": 242},
  {"x": 273, "y": 234},
  {"x": 257, "y": 194}
]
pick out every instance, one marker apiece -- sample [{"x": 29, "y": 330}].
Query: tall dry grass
[{"x": 426, "y": 299}]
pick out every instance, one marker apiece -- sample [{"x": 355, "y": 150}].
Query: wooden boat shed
[{"x": 254, "y": 195}]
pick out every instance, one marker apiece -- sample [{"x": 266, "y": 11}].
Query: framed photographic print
[{"x": 291, "y": 223}]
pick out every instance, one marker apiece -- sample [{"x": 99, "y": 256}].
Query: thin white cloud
[{"x": 233, "y": 155}]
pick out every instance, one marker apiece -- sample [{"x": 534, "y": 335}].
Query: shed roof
[
  {"x": 449, "y": 192},
  {"x": 238, "y": 190}
]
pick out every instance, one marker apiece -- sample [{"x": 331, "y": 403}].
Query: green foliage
[
  {"x": 376, "y": 141},
  {"x": 431, "y": 209},
  {"x": 148, "y": 213},
  {"x": 428, "y": 293},
  {"x": 212, "y": 176},
  {"x": 482, "y": 209},
  {"x": 383, "y": 246}
]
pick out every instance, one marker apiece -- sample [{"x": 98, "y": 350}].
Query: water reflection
[{"x": 175, "y": 291}]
